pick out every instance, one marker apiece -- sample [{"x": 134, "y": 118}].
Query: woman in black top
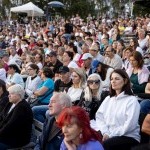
[{"x": 91, "y": 98}]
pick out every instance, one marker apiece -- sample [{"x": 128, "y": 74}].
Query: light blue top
[
  {"x": 16, "y": 78},
  {"x": 90, "y": 145},
  {"x": 48, "y": 83}
]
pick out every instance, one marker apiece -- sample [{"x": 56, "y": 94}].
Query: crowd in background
[{"x": 89, "y": 61}]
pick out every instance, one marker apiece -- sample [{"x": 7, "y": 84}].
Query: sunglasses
[{"x": 93, "y": 81}]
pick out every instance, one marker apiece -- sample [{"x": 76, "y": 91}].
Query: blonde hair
[
  {"x": 88, "y": 91},
  {"x": 81, "y": 73}
]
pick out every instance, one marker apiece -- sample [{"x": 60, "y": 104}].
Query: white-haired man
[
  {"x": 51, "y": 137},
  {"x": 15, "y": 120}
]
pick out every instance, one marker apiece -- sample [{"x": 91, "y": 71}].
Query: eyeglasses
[
  {"x": 30, "y": 69},
  {"x": 93, "y": 81},
  {"x": 108, "y": 51}
]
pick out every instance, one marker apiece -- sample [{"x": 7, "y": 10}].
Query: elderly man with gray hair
[
  {"x": 15, "y": 120},
  {"x": 51, "y": 137}
]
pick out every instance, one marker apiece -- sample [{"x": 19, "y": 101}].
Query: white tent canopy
[{"x": 29, "y": 8}]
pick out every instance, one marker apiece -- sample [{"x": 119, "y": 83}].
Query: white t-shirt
[{"x": 74, "y": 93}]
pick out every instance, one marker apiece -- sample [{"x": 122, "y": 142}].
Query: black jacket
[
  {"x": 46, "y": 143},
  {"x": 92, "y": 106},
  {"x": 3, "y": 101},
  {"x": 16, "y": 126}
]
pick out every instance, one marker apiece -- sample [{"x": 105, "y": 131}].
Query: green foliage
[
  {"x": 140, "y": 10},
  {"x": 81, "y": 7}
]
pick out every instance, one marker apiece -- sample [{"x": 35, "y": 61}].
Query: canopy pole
[
  {"x": 132, "y": 5},
  {"x": 32, "y": 16},
  {"x": 9, "y": 17}
]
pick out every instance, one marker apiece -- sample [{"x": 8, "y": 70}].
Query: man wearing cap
[
  {"x": 65, "y": 82},
  {"x": 87, "y": 63},
  {"x": 53, "y": 62},
  {"x": 94, "y": 51}
]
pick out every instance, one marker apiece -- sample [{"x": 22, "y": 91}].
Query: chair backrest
[{"x": 38, "y": 127}]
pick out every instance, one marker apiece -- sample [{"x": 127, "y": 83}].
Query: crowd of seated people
[{"x": 82, "y": 81}]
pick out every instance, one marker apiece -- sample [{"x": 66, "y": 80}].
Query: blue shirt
[
  {"x": 48, "y": 83},
  {"x": 90, "y": 145}
]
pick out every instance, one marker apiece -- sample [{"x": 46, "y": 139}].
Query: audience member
[
  {"x": 138, "y": 73},
  {"x": 51, "y": 137},
  {"x": 112, "y": 59},
  {"x": 78, "y": 79},
  {"x": 91, "y": 98},
  {"x": 33, "y": 81},
  {"x": 117, "y": 117},
  {"x": 78, "y": 134},
  {"x": 13, "y": 76},
  {"x": 65, "y": 82},
  {"x": 104, "y": 71},
  {"x": 43, "y": 94},
  {"x": 15, "y": 120},
  {"x": 87, "y": 59}
]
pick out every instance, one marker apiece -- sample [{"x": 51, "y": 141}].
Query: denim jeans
[
  {"x": 145, "y": 106},
  {"x": 39, "y": 112}
]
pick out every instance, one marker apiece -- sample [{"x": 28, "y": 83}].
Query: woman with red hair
[{"x": 78, "y": 135}]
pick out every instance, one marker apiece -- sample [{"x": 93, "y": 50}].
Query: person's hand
[
  {"x": 105, "y": 137},
  {"x": 33, "y": 95},
  {"x": 70, "y": 145}
]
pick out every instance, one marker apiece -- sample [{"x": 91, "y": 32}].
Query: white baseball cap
[{"x": 86, "y": 56}]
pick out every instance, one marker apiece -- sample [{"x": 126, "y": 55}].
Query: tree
[
  {"x": 81, "y": 7},
  {"x": 5, "y": 5},
  {"x": 141, "y": 7}
]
